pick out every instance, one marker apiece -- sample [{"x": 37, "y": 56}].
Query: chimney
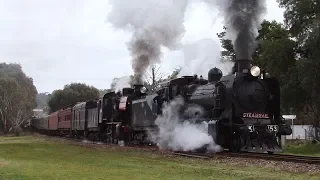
[
  {"x": 243, "y": 66},
  {"x": 137, "y": 87}
]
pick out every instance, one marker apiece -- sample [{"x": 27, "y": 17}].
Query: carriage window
[{"x": 174, "y": 91}]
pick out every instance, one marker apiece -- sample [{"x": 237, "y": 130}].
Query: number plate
[
  {"x": 273, "y": 128},
  {"x": 251, "y": 128},
  {"x": 255, "y": 115}
]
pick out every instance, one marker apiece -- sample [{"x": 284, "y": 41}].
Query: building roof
[
  {"x": 287, "y": 117},
  {"x": 37, "y": 110}
]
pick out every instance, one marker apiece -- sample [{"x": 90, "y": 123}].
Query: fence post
[
  {"x": 283, "y": 140},
  {"x": 305, "y": 135}
]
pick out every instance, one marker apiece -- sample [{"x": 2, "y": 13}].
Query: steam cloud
[
  {"x": 243, "y": 19},
  {"x": 182, "y": 133},
  {"x": 201, "y": 56},
  {"x": 119, "y": 83},
  {"x": 154, "y": 23}
]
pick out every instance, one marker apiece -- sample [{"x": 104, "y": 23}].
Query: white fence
[{"x": 303, "y": 132}]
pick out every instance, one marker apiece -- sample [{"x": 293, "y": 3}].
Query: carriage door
[
  {"x": 107, "y": 111},
  {"x": 173, "y": 91}
]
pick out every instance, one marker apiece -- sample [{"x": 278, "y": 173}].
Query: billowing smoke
[
  {"x": 243, "y": 19},
  {"x": 154, "y": 23},
  {"x": 201, "y": 56},
  {"x": 182, "y": 133},
  {"x": 119, "y": 83}
]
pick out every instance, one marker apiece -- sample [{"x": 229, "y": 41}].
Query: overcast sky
[{"x": 60, "y": 41}]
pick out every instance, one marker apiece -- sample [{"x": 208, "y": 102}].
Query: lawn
[
  {"x": 309, "y": 149},
  {"x": 31, "y": 157}
]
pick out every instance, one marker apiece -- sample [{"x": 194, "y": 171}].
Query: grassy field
[
  {"x": 34, "y": 158},
  {"x": 309, "y": 149}
]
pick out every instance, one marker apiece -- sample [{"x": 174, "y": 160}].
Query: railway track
[
  {"x": 280, "y": 157},
  {"x": 277, "y": 157},
  {"x": 194, "y": 155}
]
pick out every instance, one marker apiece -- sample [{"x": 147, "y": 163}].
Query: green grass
[
  {"x": 34, "y": 158},
  {"x": 309, "y": 149}
]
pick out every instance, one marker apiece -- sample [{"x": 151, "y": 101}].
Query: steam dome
[{"x": 214, "y": 74}]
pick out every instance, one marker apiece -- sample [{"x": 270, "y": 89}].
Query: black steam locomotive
[{"x": 242, "y": 110}]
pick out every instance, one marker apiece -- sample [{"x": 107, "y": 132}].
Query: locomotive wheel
[
  {"x": 237, "y": 143},
  {"x": 233, "y": 145},
  {"x": 270, "y": 152},
  {"x": 109, "y": 139}
]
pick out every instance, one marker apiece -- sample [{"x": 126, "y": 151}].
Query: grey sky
[{"x": 59, "y": 41}]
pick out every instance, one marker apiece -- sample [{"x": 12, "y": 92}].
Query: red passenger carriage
[
  {"x": 65, "y": 119},
  {"x": 53, "y": 122}
]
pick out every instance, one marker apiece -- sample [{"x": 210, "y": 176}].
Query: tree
[
  {"x": 152, "y": 80},
  {"x": 302, "y": 19},
  {"x": 42, "y": 101},
  {"x": 72, "y": 93},
  {"x": 276, "y": 50},
  {"x": 228, "y": 53},
  {"x": 17, "y": 97},
  {"x": 153, "y": 77}
]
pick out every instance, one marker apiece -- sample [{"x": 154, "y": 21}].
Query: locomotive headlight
[{"x": 255, "y": 71}]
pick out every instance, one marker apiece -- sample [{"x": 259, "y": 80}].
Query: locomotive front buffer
[{"x": 251, "y": 137}]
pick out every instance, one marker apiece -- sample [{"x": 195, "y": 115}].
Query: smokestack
[
  {"x": 242, "y": 66},
  {"x": 137, "y": 87},
  {"x": 245, "y": 42}
]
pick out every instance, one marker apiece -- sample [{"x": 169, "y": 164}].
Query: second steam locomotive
[{"x": 242, "y": 110}]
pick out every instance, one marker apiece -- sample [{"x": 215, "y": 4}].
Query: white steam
[
  {"x": 201, "y": 56},
  {"x": 178, "y": 130},
  {"x": 119, "y": 83},
  {"x": 154, "y": 23}
]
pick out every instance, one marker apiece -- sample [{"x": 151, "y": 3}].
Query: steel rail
[
  {"x": 276, "y": 157},
  {"x": 193, "y": 155}
]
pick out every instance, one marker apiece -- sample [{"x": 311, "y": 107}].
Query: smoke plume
[
  {"x": 182, "y": 133},
  {"x": 243, "y": 19},
  {"x": 201, "y": 56},
  {"x": 154, "y": 23}
]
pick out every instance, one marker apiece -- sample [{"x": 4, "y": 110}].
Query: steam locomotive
[{"x": 242, "y": 110}]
